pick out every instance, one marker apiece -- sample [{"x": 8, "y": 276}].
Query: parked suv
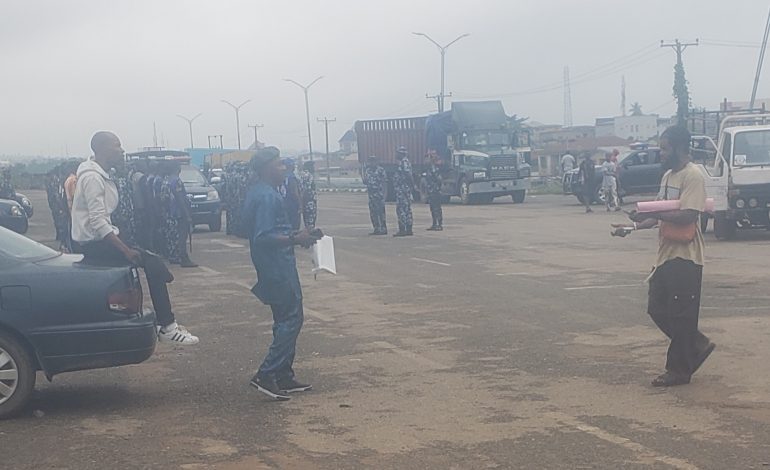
[
  {"x": 204, "y": 198},
  {"x": 639, "y": 172}
]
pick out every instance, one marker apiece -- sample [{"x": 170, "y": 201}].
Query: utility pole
[
  {"x": 256, "y": 140},
  {"x": 759, "y": 64},
  {"x": 680, "y": 83},
  {"x": 305, "y": 88},
  {"x": 567, "y": 99},
  {"x": 237, "y": 118},
  {"x": 442, "y": 50},
  {"x": 326, "y": 122},
  {"x": 623, "y": 95},
  {"x": 189, "y": 122}
]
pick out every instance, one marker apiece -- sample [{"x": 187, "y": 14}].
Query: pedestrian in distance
[
  {"x": 309, "y": 198},
  {"x": 403, "y": 183},
  {"x": 271, "y": 243},
  {"x": 586, "y": 176},
  {"x": 433, "y": 186},
  {"x": 375, "y": 179},
  {"x": 567, "y": 163},
  {"x": 675, "y": 283},
  {"x": 95, "y": 236},
  {"x": 609, "y": 183}
]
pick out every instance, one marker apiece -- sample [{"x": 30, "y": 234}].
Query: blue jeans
[{"x": 287, "y": 323}]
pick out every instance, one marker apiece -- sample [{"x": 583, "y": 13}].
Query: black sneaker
[
  {"x": 291, "y": 386},
  {"x": 269, "y": 388}
]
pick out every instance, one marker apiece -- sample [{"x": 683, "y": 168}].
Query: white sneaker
[{"x": 177, "y": 335}]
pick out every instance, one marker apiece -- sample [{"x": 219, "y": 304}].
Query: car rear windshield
[
  {"x": 15, "y": 246},
  {"x": 192, "y": 176}
]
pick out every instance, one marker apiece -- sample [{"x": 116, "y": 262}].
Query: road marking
[
  {"x": 414, "y": 357},
  {"x": 242, "y": 284},
  {"x": 318, "y": 315},
  {"x": 601, "y": 287},
  {"x": 227, "y": 243},
  {"x": 424, "y": 286},
  {"x": 431, "y": 261},
  {"x": 512, "y": 274},
  {"x": 209, "y": 270},
  {"x": 639, "y": 449}
]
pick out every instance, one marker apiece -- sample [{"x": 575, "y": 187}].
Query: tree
[
  {"x": 636, "y": 109},
  {"x": 681, "y": 93}
]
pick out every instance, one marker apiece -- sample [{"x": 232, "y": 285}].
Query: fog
[{"x": 71, "y": 68}]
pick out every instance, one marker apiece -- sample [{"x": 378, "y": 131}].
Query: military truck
[{"x": 484, "y": 151}]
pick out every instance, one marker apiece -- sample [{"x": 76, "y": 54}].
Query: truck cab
[{"x": 738, "y": 175}]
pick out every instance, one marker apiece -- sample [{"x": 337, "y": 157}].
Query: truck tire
[
  {"x": 724, "y": 228},
  {"x": 519, "y": 196},
  {"x": 17, "y": 374},
  {"x": 465, "y": 196}
]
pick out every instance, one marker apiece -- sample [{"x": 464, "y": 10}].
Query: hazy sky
[{"x": 69, "y": 68}]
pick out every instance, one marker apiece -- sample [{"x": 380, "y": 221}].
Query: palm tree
[{"x": 636, "y": 109}]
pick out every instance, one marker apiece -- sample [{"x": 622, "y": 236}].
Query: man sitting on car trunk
[{"x": 94, "y": 235}]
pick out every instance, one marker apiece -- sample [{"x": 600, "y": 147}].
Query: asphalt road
[{"x": 516, "y": 338}]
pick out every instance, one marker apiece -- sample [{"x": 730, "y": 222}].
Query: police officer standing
[
  {"x": 434, "y": 192},
  {"x": 404, "y": 185},
  {"x": 375, "y": 179}
]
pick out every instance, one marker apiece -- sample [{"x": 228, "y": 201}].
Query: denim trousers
[{"x": 287, "y": 323}]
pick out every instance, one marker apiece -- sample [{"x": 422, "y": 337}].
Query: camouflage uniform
[
  {"x": 309, "y": 202},
  {"x": 123, "y": 216},
  {"x": 433, "y": 180},
  {"x": 236, "y": 182},
  {"x": 375, "y": 180},
  {"x": 170, "y": 224},
  {"x": 403, "y": 185}
]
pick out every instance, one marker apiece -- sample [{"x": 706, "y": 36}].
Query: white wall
[{"x": 636, "y": 127}]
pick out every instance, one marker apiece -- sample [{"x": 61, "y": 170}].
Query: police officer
[
  {"x": 375, "y": 180},
  {"x": 434, "y": 191},
  {"x": 404, "y": 185},
  {"x": 309, "y": 201}
]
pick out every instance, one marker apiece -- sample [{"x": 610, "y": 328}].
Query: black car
[
  {"x": 59, "y": 315},
  {"x": 639, "y": 172},
  {"x": 204, "y": 198},
  {"x": 13, "y": 216}
]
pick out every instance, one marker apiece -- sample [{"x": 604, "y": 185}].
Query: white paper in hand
[{"x": 323, "y": 256}]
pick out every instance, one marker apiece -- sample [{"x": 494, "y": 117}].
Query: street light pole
[
  {"x": 237, "y": 118},
  {"x": 326, "y": 122},
  {"x": 305, "y": 89},
  {"x": 442, "y": 49},
  {"x": 256, "y": 136},
  {"x": 189, "y": 123}
]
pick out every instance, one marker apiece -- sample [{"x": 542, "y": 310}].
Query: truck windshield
[
  {"x": 485, "y": 139},
  {"x": 752, "y": 148}
]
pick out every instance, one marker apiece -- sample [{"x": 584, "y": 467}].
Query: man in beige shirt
[{"x": 675, "y": 283}]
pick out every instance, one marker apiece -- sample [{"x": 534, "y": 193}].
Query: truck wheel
[
  {"x": 724, "y": 228},
  {"x": 465, "y": 193},
  {"x": 598, "y": 196},
  {"x": 518, "y": 196},
  {"x": 423, "y": 191},
  {"x": 17, "y": 375}
]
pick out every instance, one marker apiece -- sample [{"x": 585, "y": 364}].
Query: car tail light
[{"x": 126, "y": 297}]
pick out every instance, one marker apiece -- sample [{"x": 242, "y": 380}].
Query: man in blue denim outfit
[{"x": 272, "y": 240}]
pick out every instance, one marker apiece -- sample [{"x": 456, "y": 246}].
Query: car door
[{"x": 640, "y": 172}]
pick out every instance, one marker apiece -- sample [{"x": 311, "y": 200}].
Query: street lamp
[
  {"x": 441, "y": 49},
  {"x": 237, "y": 118},
  {"x": 307, "y": 110},
  {"x": 189, "y": 123}
]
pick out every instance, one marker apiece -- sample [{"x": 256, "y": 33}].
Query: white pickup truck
[{"x": 738, "y": 175}]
